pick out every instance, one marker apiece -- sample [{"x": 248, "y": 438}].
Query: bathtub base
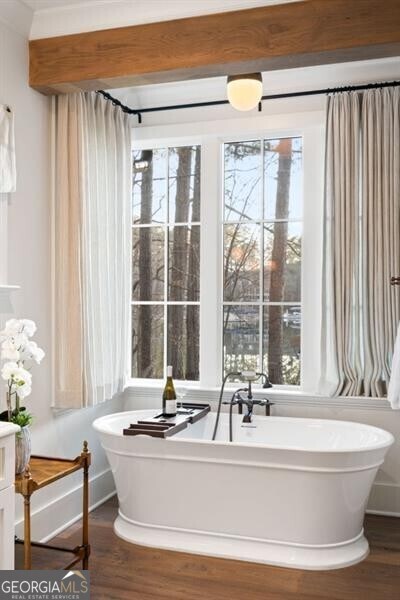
[{"x": 296, "y": 556}]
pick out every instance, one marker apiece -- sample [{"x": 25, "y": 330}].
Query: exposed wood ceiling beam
[{"x": 304, "y": 33}]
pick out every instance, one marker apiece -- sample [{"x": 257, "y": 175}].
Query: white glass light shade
[{"x": 245, "y": 91}]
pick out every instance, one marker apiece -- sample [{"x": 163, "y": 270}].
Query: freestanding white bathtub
[{"x": 287, "y": 491}]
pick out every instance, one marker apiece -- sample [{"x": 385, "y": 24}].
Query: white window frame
[{"x": 211, "y": 136}]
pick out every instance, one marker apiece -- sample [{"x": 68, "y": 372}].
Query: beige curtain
[
  {"x": 362, "y": 241},
  {"x": 91, "y": 248}
]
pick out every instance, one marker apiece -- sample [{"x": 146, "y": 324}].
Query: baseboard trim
[
  {"x": 65, "y": 526},
  {"x": 384, "y": 499},
  {"x": 383, "y": 513},
  {"x": 53, "y": 517}
]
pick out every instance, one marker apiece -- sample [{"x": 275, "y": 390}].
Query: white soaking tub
[{"x": 287, "y": 491}]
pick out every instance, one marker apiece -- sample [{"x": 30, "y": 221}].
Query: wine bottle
[{"x": 169, "y": 396}]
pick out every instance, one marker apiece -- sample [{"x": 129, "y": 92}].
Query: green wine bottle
[{"x": 169, "y": 396}]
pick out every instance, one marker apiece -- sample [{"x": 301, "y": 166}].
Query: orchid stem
[{"x": 9, "y": 406}]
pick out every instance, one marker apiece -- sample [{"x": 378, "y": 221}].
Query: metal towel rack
[{"x": 395, "y": 281}]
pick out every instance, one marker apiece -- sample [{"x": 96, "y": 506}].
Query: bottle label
[{"x": 170, "y": 407}]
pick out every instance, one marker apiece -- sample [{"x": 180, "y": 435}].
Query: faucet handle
[
  {"x": 267, "y": 384},
  {"x": 233, "y": 402},
  {"x": 263, "y": 402},
  {"x": 267, "y": 403}
]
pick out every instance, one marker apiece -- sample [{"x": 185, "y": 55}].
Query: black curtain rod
[{"x": 349, "y": 88}]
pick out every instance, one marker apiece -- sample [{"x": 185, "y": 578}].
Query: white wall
[{"x": 28, "y": 234}]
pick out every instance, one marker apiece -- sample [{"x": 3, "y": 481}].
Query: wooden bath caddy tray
[{"x": 163, "y": 427}]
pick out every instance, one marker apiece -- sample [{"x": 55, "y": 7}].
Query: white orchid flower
[
  {"x": 15, "y": 374},
  {"x": 24, "y": 390},
  {"x": 16, "y": 348},
  {"x": 29, "y": 327},
  {"x": 31, "y": 351},
  {"x": 12, "y": 327},
  {"x": 9, "y": 351},
  {"x": 19, "y": 340},
  {"x": 8, "y": 369},
  {"x": 11, "y": 347},
  {"x": 22, "y": 376}
]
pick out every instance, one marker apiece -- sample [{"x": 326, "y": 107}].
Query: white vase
[{"x": 22, "y": 449}]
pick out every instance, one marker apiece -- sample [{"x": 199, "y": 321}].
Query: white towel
[
  {"x": 394, "y": 383},
  {"x": 8, "y": 174}
]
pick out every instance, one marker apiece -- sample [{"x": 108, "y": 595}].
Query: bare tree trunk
[
  {"x": 192, "y": 312},
  {"x": 275, "y": 325},
  {"x": 145, "y": 275},
  {"x": 179, "y": 263}
]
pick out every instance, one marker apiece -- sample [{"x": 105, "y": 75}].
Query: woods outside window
[
  {"x": 262, "y": 232},
  {"x": 227, "y": 252},
  {"x": 166, "y": 262}
]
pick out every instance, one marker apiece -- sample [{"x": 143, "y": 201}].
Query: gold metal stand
[{"x": 43, "y": 471}]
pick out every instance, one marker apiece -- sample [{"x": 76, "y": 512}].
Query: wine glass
[{"x": 180, "y": 394}]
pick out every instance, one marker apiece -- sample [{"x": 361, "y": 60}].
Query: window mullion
[
  {"x": 166, "y": 267},
  {"x": 261, "y": 310},
  {"x": 210, "y": 260}
]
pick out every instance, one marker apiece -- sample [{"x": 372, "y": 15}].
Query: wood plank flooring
[{"x": 122, "y": 571}]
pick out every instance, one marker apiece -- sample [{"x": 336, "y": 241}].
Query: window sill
[{"x": 280, "y": 395}]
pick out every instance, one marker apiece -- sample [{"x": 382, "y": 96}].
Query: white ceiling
[{"x": 62, "y": 17}]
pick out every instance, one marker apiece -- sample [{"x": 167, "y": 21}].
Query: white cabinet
[{"x": 7, "y": 499}]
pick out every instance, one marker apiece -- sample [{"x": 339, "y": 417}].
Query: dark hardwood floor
[{"x": 121, "y": 571}]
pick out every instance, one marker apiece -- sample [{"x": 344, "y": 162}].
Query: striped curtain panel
[
  {"x": 91, "y": 249},
  {"x": 361, "y": 311}
]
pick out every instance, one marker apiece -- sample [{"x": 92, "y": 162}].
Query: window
[
  {"x": 262, "y": 233},
  {"x": 259, "y": 197},
  {"x": 166, "y": 262}
]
